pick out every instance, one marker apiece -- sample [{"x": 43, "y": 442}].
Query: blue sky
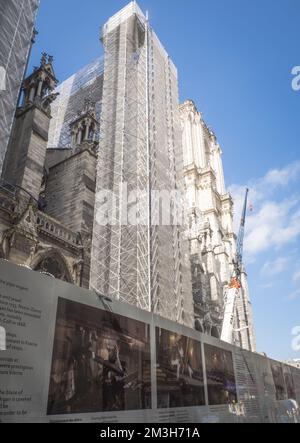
[{"x": 235, "y": 59}]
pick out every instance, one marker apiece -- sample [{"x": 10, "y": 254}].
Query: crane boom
[
  {"x": 238, "y": 262},
  {"x": 235, "y": 282},
  {"x": 240, "y": 240}
]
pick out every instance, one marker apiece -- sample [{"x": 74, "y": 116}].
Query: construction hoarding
[{"x": 74, "y": 356}]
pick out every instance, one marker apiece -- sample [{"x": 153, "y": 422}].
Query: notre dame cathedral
[{"x": 48, "y": 188}]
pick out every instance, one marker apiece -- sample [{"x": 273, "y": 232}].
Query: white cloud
[
  {"x": 267, "y": 286},
  {"x": 275, "y": 221},
  {"x": 282, "y": 177},
  {"x": 272, "y": 268},
  {"x": 273, "y": 226},
  {"x": 294, "y": 295},
  {"x": 296, "y": 276}
]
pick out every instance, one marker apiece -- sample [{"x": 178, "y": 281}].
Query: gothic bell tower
[{"x": 25, "y": 159}]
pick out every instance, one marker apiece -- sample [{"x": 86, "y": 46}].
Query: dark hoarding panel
[
  {"x": 278, "y": 378},
  {"x": 221, "y": 382},
  {"x": 179, "y": 371},
  {"x": 100, "y": 363}
]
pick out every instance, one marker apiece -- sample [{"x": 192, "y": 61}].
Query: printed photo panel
[
  {"x": 101, "y": 362},
  {"x": 179, "y": 371},
  {"x": 221, "y": 383}
]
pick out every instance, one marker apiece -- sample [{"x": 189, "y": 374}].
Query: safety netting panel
[
  {"x": 17, "y": 19},
  {"x": 86, "y": 84}
]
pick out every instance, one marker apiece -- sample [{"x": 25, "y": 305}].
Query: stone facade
[
  {"x": 211, "y": 234},
  {"x": 26, "y": 154},
  {"x": 47, "y": 196}
]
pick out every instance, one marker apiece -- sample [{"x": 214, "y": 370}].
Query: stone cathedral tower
[
  {"x": 211, "y": 234},
  {"x": 26, "y": 155}
]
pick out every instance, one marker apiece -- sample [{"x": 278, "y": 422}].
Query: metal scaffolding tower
[
  {"x": 134, "y": 258},
  {"x": 120, "y": 265}
]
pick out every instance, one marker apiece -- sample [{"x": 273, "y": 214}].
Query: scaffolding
[
  {"x": 139, "y": 261},
  {"x": 85, "y": 84},
  {"x": 16, "y": 35},
  {"x": 120, "y": 265}
]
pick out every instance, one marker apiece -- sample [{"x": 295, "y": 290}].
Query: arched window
[
  {"x": 91, "y": 132},
  {"x": 207, "y": 153},
  {"x": 54, "y": 265}
]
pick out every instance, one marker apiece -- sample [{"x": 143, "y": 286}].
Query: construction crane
[{"x": 235, "y": 285}]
